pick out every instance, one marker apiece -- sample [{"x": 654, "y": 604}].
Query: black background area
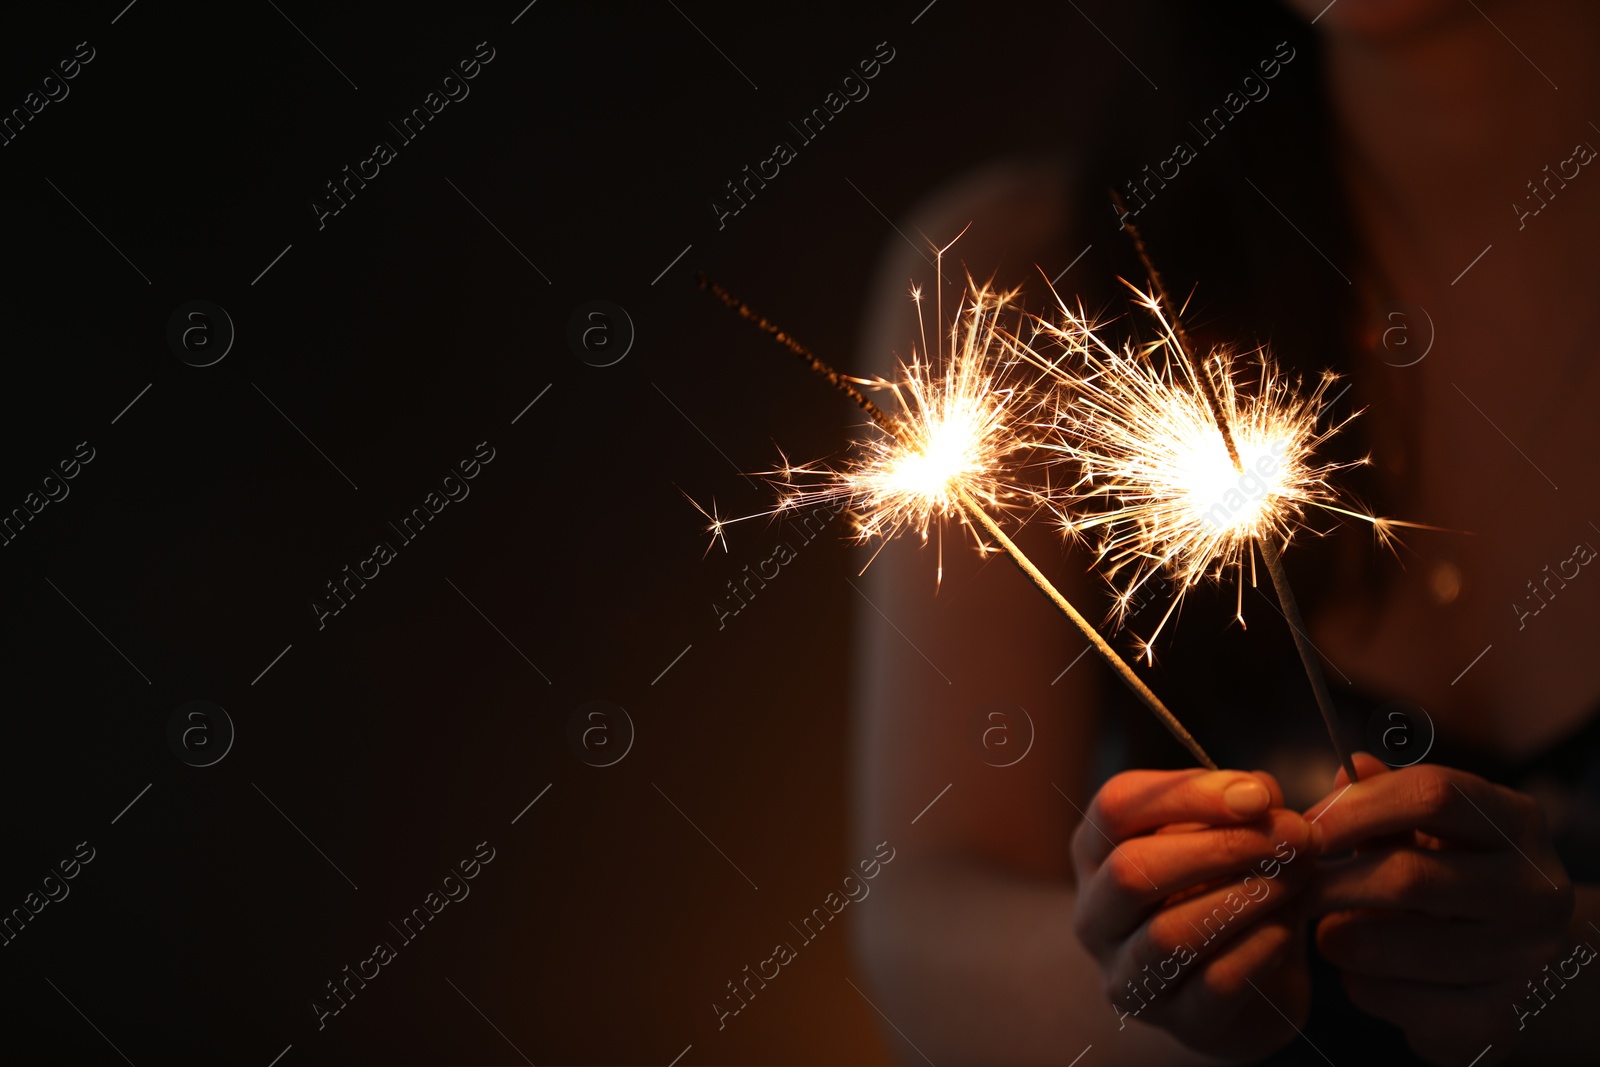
[{"x": 412, "y": 325}]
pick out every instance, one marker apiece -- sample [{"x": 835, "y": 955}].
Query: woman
[{"x": 1379, "y": 204}]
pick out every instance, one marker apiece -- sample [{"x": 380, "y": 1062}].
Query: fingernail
[{"x": 1246, "y": 798}]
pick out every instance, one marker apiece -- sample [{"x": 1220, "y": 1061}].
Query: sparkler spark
[
  {"x": 1197, "y": 472},
  {"x": 714, "y": 524},
  {"x": 1187, "y": 466},
  {"x": 959, "y": 429},
  {"x": 1158, "y": 487},
  {"x": 1151, "y": 440},
  {"x": 965, "y": 417}
]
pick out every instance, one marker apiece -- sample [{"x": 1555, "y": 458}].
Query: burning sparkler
[
  {"x": 964, "y": 416},
  {"x": 959, "y": 431},
  {"x": 1197, "y": 473},
  {"x": 1193, "y": 464},
  {"x": 1164, "y": 492}
]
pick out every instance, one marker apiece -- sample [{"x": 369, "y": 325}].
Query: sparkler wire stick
[
  {"x": 1269, "y": 548},
  {"x": 1109, "y": 654},
  {"x": 978, "y": 515},
  {"x": 884, "y": 420}
]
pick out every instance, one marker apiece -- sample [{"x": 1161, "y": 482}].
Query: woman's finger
[
  {"x": 1367, "y": 766},
  {"x": 1144, "y": 871},
  {"x": 1264, "y": 777},
  {"x": 1137, "y": 802},
  {"x": 1220, "y": 994},
  {"x": 1467, "y": 885},
  {"x": 1460, "y": 808},
  {"x": 1172, "y": 944}
]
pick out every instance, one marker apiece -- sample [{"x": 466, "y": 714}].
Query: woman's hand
[
  {"x": 1452, "y": 903},
  {"x": 1181, "y": 878}
]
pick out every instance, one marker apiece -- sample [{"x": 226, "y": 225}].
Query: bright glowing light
[
  {"x": 1181, "y": 467},
  {"x": 957, "y": 426},
  {"x": 959, "y": 423},
  {"x": 1157, "y": 491}
]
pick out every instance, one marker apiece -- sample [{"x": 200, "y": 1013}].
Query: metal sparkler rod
[
  {"x": 808, "y": 357},
  {"x": 1109, "y": 654},
  {"x": 1308, "y": 655},
  {"x": 1269, "y": 548},
  {"x": 977, "y": 514}
]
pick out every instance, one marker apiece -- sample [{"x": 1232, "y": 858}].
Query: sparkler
[
  {"x": 1200, "y": 474},
  {"x": 1147, "y": 443},
  {"x": 945, "y": 453},
  {"x": 960, "y": 426}
]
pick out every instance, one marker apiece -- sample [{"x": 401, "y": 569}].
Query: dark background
[{"x": 186, "y": 557}]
